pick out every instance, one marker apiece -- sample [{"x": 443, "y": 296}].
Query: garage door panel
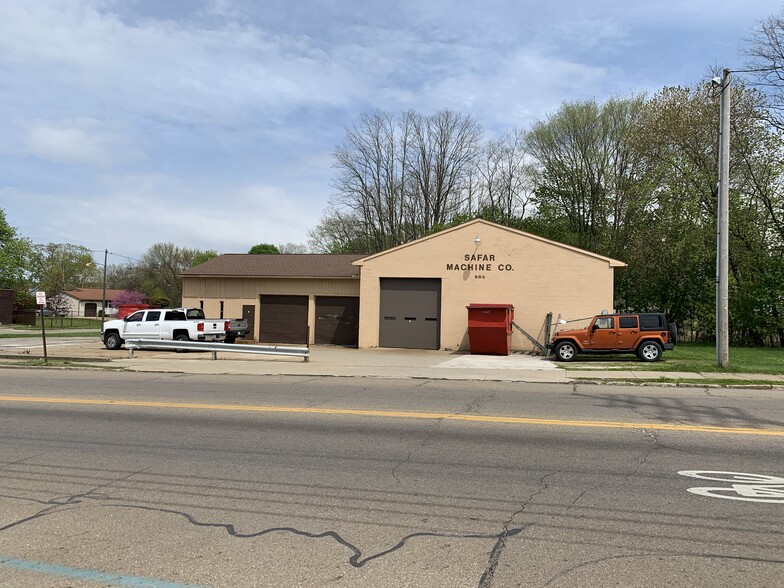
[
  {"x": 337, "y": 320},
  {"x": 284, "y": 319},
  {"x": 410, "y": 313}
]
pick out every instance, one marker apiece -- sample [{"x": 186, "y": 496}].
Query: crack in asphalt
[
  {"x": 472, "y": 405},
  {"x": 18, "y": 461},
  {"x": 426, "y": 441},
  {"x": 495, "y": 554},
  {"x": 356, "y": 559},
  {"x": 659, "y": 554},
  {"x": 59, "y": 503}
]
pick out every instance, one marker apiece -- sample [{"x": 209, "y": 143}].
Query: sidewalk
[{"x": 339, "y": 361}]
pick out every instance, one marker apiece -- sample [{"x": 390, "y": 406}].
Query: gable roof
[
  {"x": 284, "y": 265},
  {"x": 92, "y": 294},
  {"x": 481, "y": 222}
]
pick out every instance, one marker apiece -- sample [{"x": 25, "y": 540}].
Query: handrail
[
  {"x": 536, "y": 343},
  {"x": 132, "y": 344}
]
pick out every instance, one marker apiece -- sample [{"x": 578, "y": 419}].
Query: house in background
[{"x": 88, "y": 301}]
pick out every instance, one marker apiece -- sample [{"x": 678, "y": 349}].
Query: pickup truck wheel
[
  {"x": 112, "y": 341},
  {"x": 230, "y": 339},
  {"x": 650, "y": 351},
  {"x": 566, "y": 351},
  {"x": 182, "y": 338}
]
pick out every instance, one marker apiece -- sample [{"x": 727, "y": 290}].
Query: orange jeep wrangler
[{"x": 645, "y": 334}]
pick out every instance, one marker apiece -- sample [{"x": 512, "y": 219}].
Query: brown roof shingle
[
  {"x": 92, "y": 293},
  {"x": 286, "y": 265}
]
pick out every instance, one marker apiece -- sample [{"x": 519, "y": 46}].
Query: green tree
[
  {"x": 16, "y": 255},
  {"x": 591, "y": 182},
  {"x": 203, "y": 256},
  {"x": 672, "y": 253},
  {"x": 263, "y": 249},
  {"x": 60, "y": 267}
]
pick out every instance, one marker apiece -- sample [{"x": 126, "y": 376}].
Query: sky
[{"x": 211, "y": 124}]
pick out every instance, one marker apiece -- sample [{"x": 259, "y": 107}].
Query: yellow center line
[{"x": 400, "y": 414}]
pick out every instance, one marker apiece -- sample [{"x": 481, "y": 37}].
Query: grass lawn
[{"x": 691, "y": 357}]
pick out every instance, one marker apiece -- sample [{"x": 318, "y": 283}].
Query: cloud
[
  {"x": 79, "y": 141},
  {"x": 224, "y": 112}
]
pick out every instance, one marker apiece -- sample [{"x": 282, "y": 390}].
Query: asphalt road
[{"x": 167, "y": 480}]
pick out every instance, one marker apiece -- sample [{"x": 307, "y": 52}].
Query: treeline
[
  {"x": 633, "y": 178},
  {"x": 56, "y": 268}
]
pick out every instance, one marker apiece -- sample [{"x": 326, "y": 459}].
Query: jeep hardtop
[{"x": 645, "y": 334}]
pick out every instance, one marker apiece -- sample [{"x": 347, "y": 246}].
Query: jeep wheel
[
  {"x": 565, "y": 351},
  {"x": 649, "y": 351},
  {"x": 112, "y": 341}
]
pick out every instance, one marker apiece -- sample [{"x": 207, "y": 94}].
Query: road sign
[{"x": 40, "y": 298}]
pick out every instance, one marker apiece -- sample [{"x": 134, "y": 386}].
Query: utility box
[
  {"x": 124, "y": 310},
  {"x": 490, "y": 328}
]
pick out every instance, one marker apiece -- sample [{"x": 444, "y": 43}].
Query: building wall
[
  {"x": 236, "y": 292},
  {"x": 510, "y": 267}
]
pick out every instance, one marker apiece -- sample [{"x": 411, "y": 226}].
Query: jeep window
[
  {"x": 651, "y": 322},
  {"x": 627, "y": 322},
  {"x": 604, "y": 323},
  {"x": 153, "y": 315},
  {"x": 136, "y": 316}
]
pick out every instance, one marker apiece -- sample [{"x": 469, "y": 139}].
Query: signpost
[{"x": 40, "y": 300}]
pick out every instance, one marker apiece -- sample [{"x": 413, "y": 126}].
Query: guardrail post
[{"x": 214, "y": 355}]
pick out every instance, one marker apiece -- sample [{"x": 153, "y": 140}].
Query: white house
[{"x": 88, "y": 301}]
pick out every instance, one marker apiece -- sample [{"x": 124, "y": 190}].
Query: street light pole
[
  {"x": 722, "y": 227},
  {"x": 103, "y": 302}
]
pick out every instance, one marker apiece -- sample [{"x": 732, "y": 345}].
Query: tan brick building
[{"x": 414, "y": 295}]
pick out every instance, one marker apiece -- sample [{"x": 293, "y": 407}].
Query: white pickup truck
[{"x": 161, "y": 323}]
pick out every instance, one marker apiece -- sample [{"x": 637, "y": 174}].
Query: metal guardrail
[{"x": 132, "y": 344}]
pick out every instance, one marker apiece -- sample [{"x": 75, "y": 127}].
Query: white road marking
[{"x": 743, "y": 486}]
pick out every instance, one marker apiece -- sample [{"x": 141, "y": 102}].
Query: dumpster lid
[{"x": 474, "y": 305}]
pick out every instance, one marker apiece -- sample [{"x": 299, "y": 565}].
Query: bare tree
[
  {"x": 446, "y": 145},
  {"x": 508, "y": 175},
  {"x": 371, "y": 166},
  {"x": 292, "y": 248},
  {"x": 397, "y": 178},
  {"x": 765, "y": 53}
]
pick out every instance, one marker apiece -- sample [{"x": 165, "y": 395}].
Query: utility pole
[
  {"x": 103, "y": 302},
  {"x": 722, "y": 227}
]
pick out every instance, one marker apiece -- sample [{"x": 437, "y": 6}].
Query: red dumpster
[{"x": 490, "y": 328}]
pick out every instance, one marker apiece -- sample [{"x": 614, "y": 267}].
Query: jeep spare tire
[{"x": 673, "y": 333}]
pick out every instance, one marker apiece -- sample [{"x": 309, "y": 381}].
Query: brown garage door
[
  {"x": 337, "y": 320},
  {"x": 410, "y": 313},
  {"x": 284, "y": 319}
]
